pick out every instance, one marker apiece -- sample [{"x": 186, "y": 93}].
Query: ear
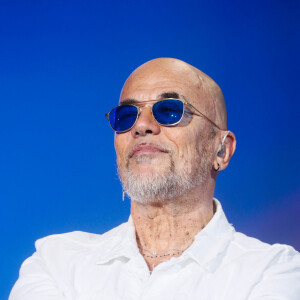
[{"x": 225, "y": 152}]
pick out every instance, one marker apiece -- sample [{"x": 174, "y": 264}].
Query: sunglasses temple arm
[{"x": 203, "y": 115}]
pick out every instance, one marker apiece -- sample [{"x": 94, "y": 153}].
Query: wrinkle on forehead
[{"x": 205, "y": 87}]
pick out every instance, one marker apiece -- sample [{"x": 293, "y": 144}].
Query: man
[{"x": 171, "y": 142}]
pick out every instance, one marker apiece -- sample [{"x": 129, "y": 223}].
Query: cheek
[
  {"x": 120, "y": 146},
  {"x": 185, "y": 144}
]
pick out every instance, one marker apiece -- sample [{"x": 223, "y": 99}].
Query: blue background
[{"x": 62, "y": 65}]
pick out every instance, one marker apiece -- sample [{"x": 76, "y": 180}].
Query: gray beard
[{"x": 158, "y": 188}]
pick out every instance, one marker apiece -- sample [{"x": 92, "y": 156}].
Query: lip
[{"x": 146, "y": 148}]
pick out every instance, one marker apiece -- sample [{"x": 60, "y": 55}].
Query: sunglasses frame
[{"x": 139, "y": 109}]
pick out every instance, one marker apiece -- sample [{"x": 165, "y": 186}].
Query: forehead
[{"x": 151, "y": 83}]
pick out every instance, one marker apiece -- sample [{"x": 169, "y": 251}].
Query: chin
[
  {"x": 148, "y": 170},
  {"x": 147, "y": 166}
]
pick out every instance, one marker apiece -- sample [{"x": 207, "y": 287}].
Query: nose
[{"x": 145, "y": 124}]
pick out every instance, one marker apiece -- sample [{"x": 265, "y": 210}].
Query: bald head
[{"x": 155, "y": 73}]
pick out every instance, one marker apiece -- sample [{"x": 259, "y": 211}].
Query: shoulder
[
  {"x": 246, "y": 244},
  {"x": 74, "y": 237},
  {"x": 260, "y": 256},
  {"x": 76, "y": 242},
  {"x": 276, "y": 268}
]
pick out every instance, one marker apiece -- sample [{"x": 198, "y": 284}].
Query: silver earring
[
  {"x": 217, "y": 168},
  {"x": 123, "y": 196}
]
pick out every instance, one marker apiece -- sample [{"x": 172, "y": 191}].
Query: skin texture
[{"x": 172, "y": 223}]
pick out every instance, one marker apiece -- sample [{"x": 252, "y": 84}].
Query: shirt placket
[{"x": 137, "y": 277}]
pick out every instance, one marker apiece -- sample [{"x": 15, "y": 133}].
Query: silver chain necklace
[
  {"x": 166, "y": 253},
  {"x": 155, "y": 254}
]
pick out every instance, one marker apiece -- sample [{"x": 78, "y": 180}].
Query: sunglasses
[{"x": 166, "y": 112}]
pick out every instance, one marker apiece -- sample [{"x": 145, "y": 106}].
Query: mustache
[{"x": 161, "y": 148}]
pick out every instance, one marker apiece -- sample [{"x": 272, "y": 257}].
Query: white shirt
[{"x": 220, "y": 264}]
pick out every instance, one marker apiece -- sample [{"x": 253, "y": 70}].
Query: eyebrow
[
  {"x": 128, "y": 102},
  {"x": 165, "y": 95}
]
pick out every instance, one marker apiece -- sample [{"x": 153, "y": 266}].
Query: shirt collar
[
  {"x": 206, "y": 250},
  {"x": 211, "y": 242},
  {"x": 118, "y": 242}
]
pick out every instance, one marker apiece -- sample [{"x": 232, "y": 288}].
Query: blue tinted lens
[
  {"x": 168, "y": 112},
  {"x": 122, "y": 117}
]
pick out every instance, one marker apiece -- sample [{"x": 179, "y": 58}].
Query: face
[{"x": 155, "y": 162}]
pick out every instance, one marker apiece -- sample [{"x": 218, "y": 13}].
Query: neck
[{"x": 172, "y": 223}]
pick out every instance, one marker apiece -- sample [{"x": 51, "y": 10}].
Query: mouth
[{"x": 144, "y": 148}]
